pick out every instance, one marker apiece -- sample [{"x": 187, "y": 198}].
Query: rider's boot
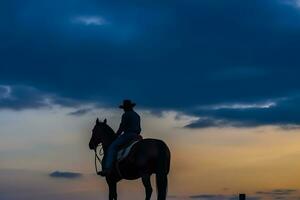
[{"x": 104, "y": 172}]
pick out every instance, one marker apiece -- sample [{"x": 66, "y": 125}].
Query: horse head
[{"x": 98, "y": 134}]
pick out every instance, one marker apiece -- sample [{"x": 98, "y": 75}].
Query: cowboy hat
[{"x": 127, "y": 104}]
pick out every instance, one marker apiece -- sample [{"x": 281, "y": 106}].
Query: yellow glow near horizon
[{"x": 215, "y": 160}]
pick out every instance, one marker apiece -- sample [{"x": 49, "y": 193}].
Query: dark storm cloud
[
  {"x": 164, "y": 55},
  {"x": 20, "y": 97},
  {"x": 215, "y": 122},
  {"x": 69, "y": 175},
  {"x": 284, "y": 113}
]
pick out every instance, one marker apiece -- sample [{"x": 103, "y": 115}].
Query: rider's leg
[{"x": 113, "y": 148}]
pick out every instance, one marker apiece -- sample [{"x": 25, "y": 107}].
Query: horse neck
[{"x": 110, "y": 136}]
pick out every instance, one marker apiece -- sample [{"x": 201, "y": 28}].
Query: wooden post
[{"x": 242, "y": 197}]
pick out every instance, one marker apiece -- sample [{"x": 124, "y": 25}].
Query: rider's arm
[{"x": 122, "y": 125}]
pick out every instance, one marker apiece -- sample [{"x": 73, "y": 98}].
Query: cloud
[
  {"x": 5, "y": 92},
  {"x": 279, "y": 194},
  {"x": 81, "y": 111},
  {"x": 284, "y": 113},
  {"x": 20, "y": 97},
  {"x": 68, "y": 175},
  {"x": 207, "y": 196},
  {"x": 206, "y": 122},
  {"x": 241, "y": 106},
  {"x": 216, "y": 54},
  {"x": 90, "y": 20},
  {"x": 221, "y": 197}
]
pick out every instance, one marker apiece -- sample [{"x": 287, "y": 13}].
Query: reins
[{"x": 101, "y": 153}]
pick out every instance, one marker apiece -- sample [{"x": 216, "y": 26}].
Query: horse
[{"x": 147, "y": 157}]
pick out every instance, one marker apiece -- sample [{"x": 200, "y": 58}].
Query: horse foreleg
[
  {"x": 147, "y": 185},
  {"x": 112, "y": 190}
]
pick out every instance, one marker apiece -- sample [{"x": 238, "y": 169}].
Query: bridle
[
  {"x": 101, "y": 153},
  {"x": 97, "y": 158}
]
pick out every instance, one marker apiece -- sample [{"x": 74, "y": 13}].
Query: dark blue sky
[{"x": 232, "y": 62}]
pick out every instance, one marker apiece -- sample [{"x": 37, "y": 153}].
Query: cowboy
[{"x": 130, "y": 127}]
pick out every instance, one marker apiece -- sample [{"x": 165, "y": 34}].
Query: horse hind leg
[
  {"x": 162, "y": 170},
  {"x": 148, "y": 188},
  {"x": 162, "y": 186}
]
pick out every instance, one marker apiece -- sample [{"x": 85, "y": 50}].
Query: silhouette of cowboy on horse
[
  {"x": 130, "y": 126},
  {"x": 142, "y": 157}
]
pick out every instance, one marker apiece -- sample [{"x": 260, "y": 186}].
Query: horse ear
[
  {"x": 105, "y": 120},
  {"x": 97, "y": 121}
]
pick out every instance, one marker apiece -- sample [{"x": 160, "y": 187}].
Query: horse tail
[{"x": 162, "y": 170}]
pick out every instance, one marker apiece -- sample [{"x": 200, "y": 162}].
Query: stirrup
[{"x": 103, "y": 173}]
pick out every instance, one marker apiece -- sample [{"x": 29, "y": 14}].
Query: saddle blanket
[{"x": 123, "y": 153}]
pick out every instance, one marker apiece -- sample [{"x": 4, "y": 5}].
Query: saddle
[{"x": 125, "y": 150}]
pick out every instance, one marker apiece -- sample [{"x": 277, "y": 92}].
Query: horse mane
[{"x": 109, "y": 130}]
